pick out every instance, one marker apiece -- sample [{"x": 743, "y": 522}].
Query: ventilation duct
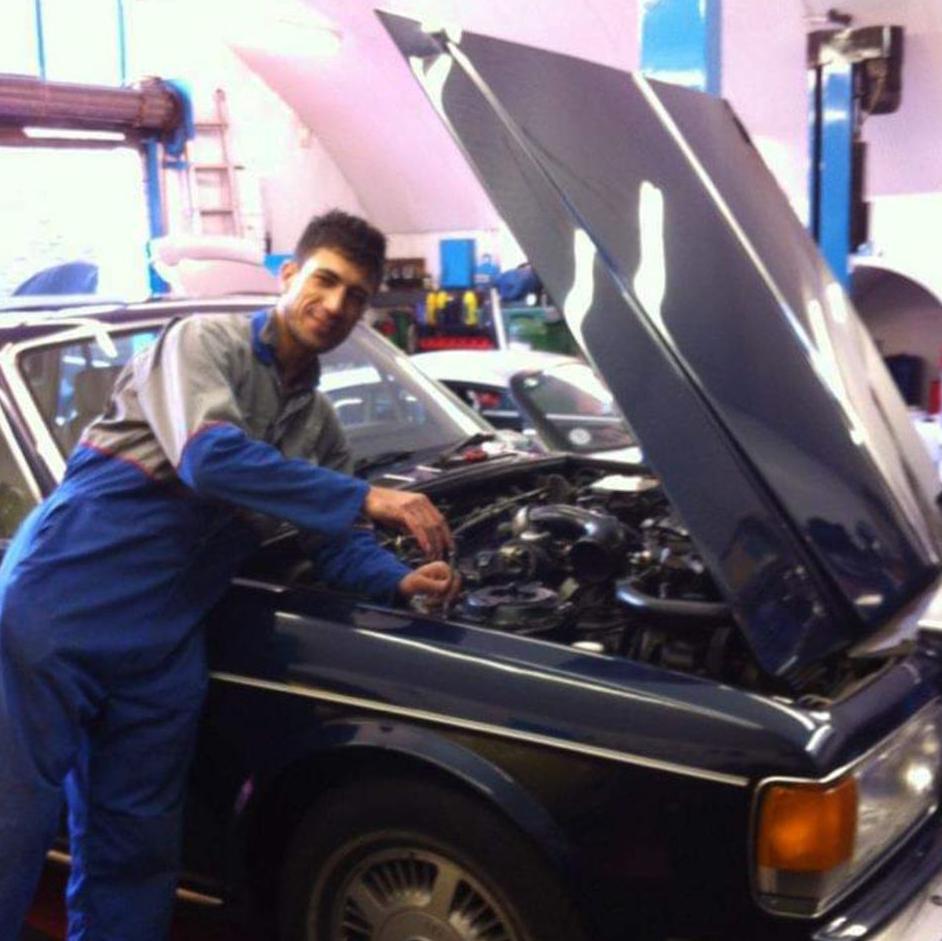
[{"x": 31, "y": 102}]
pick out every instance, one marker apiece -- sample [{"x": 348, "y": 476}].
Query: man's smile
[{"x": 319, "y": 321}]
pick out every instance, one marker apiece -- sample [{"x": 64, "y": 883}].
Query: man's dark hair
[{"x": 352, "y": 236}]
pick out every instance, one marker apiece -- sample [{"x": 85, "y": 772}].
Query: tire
[{"x": 402, "y": 859}]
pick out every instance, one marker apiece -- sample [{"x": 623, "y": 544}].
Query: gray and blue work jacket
[{"x": 201, "y": 432}]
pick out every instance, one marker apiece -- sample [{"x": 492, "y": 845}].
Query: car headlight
[{"x": 815, "y": 840}]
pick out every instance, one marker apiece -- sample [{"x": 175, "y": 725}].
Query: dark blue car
[{"x": 695, "y": 699}]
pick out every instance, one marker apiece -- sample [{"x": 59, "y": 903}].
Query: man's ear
[{"x": 286, "y": 274}]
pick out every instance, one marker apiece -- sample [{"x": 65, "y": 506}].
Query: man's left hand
[{"x": 438, "y": 581}]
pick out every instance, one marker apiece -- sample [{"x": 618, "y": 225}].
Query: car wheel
[{"x": 406, "y": 860}]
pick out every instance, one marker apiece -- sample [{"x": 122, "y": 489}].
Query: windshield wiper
[
  {"x": 366, "y": 464},
  {"x": 479, "y": 437}
]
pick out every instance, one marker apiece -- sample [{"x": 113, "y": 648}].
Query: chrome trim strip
[
  {"x": 486, "y": 727},
  {"x": 601, "y": 689},
  {"x": 6, "y": 432},
  {"x": 199, "y": 898},
  {"x": 262, "y": 586},
  {"x": 46, "y": 443},
  {"x": 585, "y": 419},
  {"x": 42, "y": 436},
  {"x": 187, "y": 895}
]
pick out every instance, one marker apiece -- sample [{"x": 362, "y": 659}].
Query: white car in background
[
  {"x": 481, "y": 378},
  {"x": 557, "y": 399}
]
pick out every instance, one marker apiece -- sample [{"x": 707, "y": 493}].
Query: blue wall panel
[
  {"x": 681, "y": 42},
  {"x": 834, "y": 200},
  {"x": 457, "y": 262}
]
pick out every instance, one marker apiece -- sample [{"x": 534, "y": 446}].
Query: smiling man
[
  {"x": 324, "y": 298},
  {"x": 212, "y": 436},
  {"x": 337, "y": 266}
]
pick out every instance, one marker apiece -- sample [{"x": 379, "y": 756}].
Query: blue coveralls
[{"x": 102, "y": 671}]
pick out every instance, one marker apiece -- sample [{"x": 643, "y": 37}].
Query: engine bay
[{"x": 591, "y": 557}]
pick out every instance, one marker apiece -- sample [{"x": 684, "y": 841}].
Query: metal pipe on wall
[{"x": 28, "y": 101}]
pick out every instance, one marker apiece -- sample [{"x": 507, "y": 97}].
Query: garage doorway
[{"x": 84, "y": 208}]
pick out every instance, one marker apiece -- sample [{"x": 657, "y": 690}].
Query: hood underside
[{"x": 757, "y": 395}]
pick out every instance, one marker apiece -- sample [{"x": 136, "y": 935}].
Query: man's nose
[{"x": 334, "y": 298}]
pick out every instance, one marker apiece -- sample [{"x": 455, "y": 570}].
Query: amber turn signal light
[{"x": 807, "y": 827}]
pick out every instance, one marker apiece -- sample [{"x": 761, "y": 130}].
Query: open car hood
[{"x": 755, "y": 392}]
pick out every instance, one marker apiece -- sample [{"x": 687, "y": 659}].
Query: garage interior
[{"x": 177, "y": 149}]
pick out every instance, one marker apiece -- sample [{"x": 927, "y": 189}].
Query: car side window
[
  {"x": 16, "y": 498},
  {"x": 72, "y": 382}
]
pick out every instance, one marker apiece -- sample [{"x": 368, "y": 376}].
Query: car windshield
[
  {"x": 387, "y": 405},
  {"x": 573, "y": 408},
  {"x": 383, "y": 401}
]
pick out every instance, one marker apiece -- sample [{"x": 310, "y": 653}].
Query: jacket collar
[{"x": 264, "y": 337}]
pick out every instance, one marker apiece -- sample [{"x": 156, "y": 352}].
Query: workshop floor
[{"x": 46, "y": 920}]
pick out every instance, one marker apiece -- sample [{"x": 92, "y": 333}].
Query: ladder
[{"x": 213, "y": 187}]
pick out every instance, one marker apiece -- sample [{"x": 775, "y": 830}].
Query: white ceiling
[{"x": 371, "y": 116}]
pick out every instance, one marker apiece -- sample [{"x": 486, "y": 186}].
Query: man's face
[{"x": 322, "y": 300}]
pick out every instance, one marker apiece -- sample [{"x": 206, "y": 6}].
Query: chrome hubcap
[{"x": 415, "y": 895}]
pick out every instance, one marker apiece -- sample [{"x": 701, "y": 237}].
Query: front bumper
[{"x": 904, "y": 905}]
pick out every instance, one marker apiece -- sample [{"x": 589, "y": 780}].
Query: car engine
[{"x": 594, "y": 558}]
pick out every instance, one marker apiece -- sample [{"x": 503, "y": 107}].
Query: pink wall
[
  {"x": 765, "y": 80},
  {"x": 905, "y": 148}
]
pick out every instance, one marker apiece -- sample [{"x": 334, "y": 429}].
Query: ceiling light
[{"x": 68, "y": 133}]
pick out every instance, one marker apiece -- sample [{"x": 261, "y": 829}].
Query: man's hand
[
  {"x": 413, "y": 512},
  {"x": 438, "y": 581}
]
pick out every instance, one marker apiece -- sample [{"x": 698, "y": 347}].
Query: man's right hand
[{"x": 413, "y": 512}]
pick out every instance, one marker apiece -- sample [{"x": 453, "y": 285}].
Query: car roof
[
  {"x": 53, "y": 314},
  {"x": 493, "y": 367}
]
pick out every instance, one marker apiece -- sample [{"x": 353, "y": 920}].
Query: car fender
[{"x": 420, "y": 747}]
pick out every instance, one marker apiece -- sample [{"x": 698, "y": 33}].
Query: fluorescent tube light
[{"x": 69, "y": 133}]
